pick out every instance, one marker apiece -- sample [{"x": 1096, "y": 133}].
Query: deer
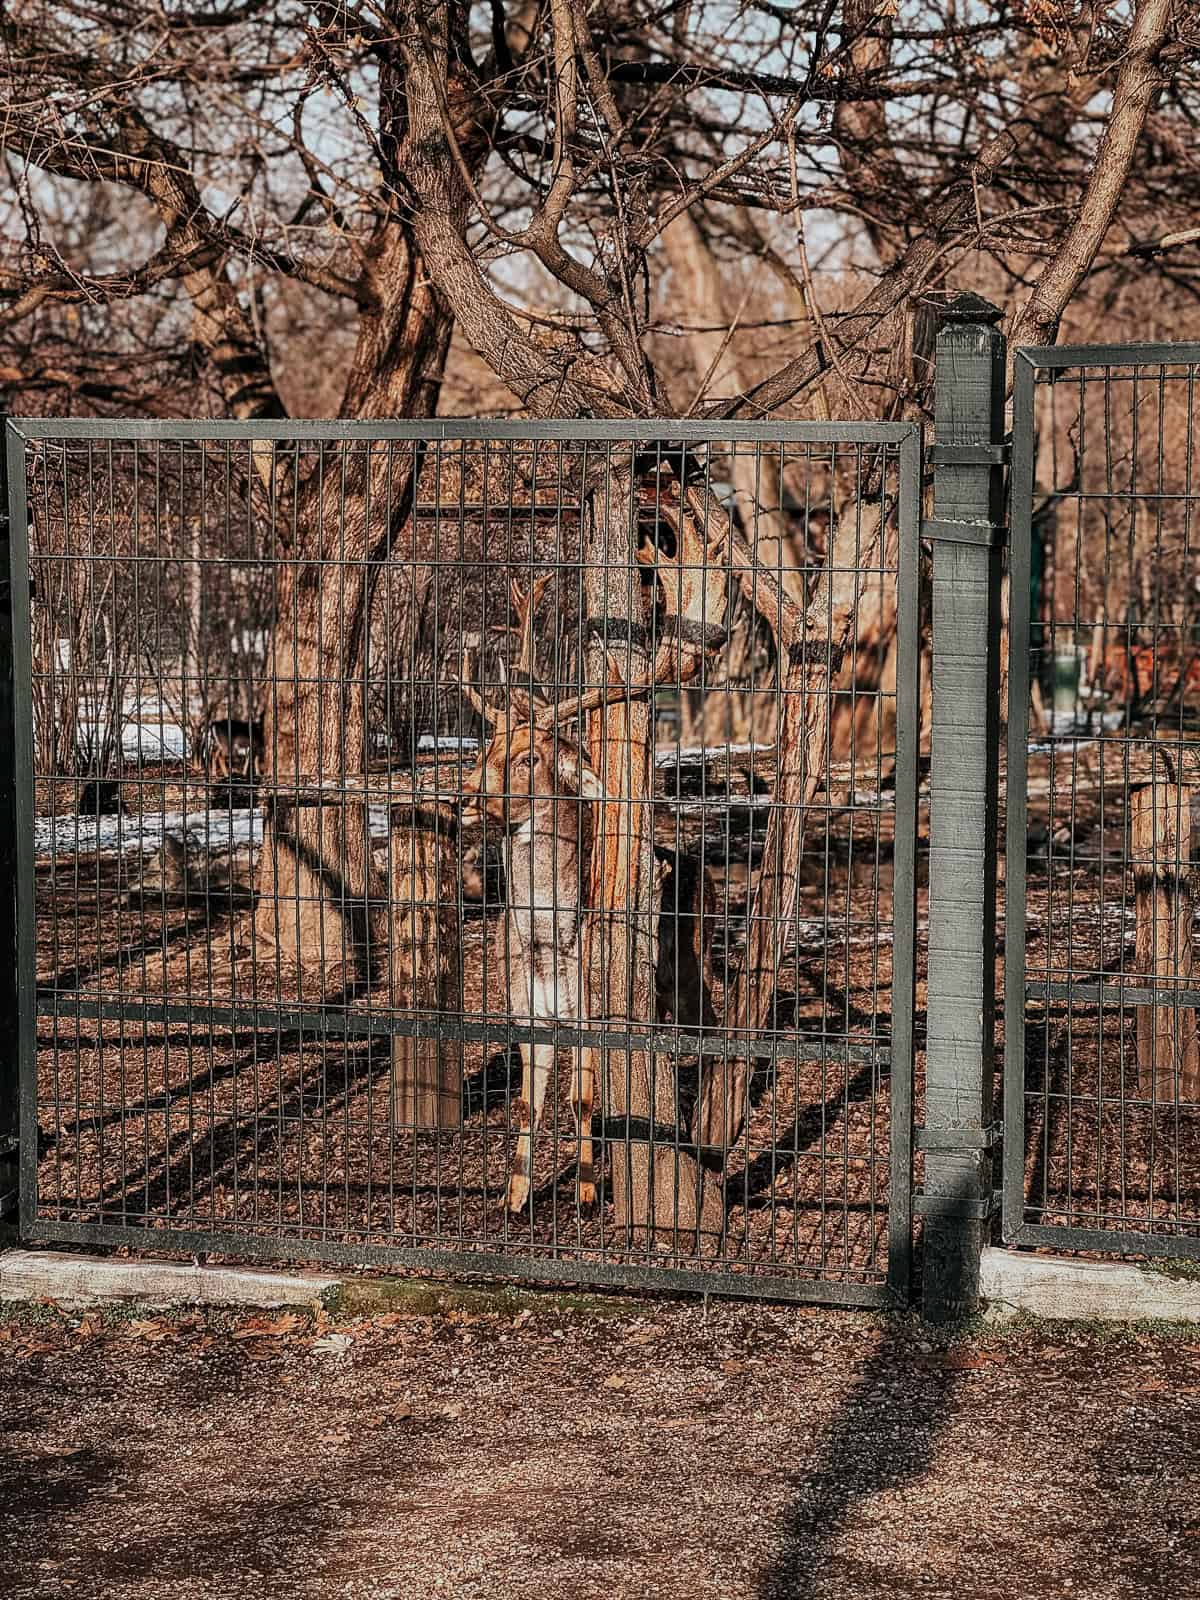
[
  {"x": 532, "y": 782},
  {"x": 535, "y": 783},
  {"x": 231, "y": 748},
  {"x": 179, "y": 874}
]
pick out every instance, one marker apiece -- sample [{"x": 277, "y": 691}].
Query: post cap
[{"x": 962, "y": 305}]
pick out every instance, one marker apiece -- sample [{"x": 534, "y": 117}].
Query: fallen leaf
[
  {"x": 733, "y": 1366},
  {"x": 964, "y": 1361},
  {"x": 36, "y": 1347},
  {"x": 333, "y": 1344},
  {"x": 453, "y": 1411},
  {"x": 522, "y": 1319},
  {"x": 153, "y": 1329},
  {"x": 269, "y": 1328},
  {"x": 616, "y": 1381}
]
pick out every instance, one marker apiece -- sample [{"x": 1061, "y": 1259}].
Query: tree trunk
[
  {"x": 425, "y": 977},
  {"x": 318, "y": 893},
  {"x": 864, "y": 715},
  {"x": 658, "y": 1189},
  {"x": 811, "y": 666},
  {"x": 320, "y": 899},
  {"x": 757, "y": 476},
  {"x": 1168, "y": 1048}
]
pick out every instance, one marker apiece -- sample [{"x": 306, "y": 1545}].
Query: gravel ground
[{"x": 655, "y": 1451}]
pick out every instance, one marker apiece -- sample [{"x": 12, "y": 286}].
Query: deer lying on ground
[
  {"x": 179, "y": 874},
  {"x": 537, "y": 786}
]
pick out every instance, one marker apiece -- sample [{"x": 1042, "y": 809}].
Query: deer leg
[
  {"x": 537, "y": 1063},
  {"x": 583, "y": 1086},
  {"x": 534, "y": 998}
]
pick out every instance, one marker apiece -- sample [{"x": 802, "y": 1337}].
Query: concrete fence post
[{"x": 966, "y": 533}]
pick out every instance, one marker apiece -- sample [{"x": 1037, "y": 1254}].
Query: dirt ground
[{"x": 657, "y": 1450}]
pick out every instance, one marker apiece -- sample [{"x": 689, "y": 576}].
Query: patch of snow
[
  {"x": 140, "y": 741},
  {"x": 691, "y": 755},
  {"x": 216, "y": 830}
]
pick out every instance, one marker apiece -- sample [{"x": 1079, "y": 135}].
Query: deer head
[
  {"x": 520, "y": 766},
  {"x": 528, "y": 754},
  {"x": 527, "y": 757}
]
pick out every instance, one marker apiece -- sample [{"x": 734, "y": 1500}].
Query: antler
[
  {"x": 693, "y": 589},
  {"x": 518, "y": 703},
  {"x": 525, "y": 604},
  {"x": 492, "y": 715},
  {"x": 692, "y": 582}
]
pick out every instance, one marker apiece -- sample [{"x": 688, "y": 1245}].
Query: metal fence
[
  {"x": 486, "y": 846},
  {"x": 1102, "y": 1119}
]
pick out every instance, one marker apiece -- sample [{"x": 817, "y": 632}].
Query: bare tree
[{"x": 518, "y": 175}]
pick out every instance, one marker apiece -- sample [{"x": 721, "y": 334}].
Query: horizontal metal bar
[
  {"x": 1114, "y": 994},
  {"x": 664, "y": 430},
  {"x": 528, "y": 1268},
  {"x": 968, "y": 455},
  {"x": 1109, "y": 355},
  {"x": 951, "y": 532},
  {"x": 952, "y": 1205},
  {"x": 950, "y": 1139},
  {"x": 1110, "y": 1241},
  {"x": 662, "y": 1038}
]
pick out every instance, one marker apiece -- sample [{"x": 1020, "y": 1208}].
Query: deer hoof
[{"x": 518, "y": 1195}]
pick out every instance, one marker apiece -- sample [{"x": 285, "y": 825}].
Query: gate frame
[
  {"x": 1028, "y": 361},
  {"x": 17, "y": 780}
]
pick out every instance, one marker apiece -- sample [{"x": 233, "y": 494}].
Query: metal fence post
[
  {"x": 967, "y": 536},
  {"x": 10, "y": 1032}
]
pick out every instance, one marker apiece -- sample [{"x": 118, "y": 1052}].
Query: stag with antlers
[
  {"x": 534, "y": 782},
  {"x": 530, "y": 781}
]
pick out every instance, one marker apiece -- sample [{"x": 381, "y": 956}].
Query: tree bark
[
  {"x": 757, "y": 479},
  {"x": 423, "y": 948},
  {"x": 658, "y": 1189},
  {"x": 809, "y": 668},
  {"x": 1168, "y": 1046}
]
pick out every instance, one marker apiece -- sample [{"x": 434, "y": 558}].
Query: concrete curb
[
  {"x": 83, "y": 1280},
  {"x": 1014, "y": 1283},
  {"x": 77, "y": 1280}
]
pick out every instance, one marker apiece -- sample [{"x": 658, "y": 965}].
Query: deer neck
[{"x": 544, "y": 852}]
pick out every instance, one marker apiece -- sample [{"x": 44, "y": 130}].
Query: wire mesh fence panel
[
  {"x": 1102, "y": 1052},
  {"x": 477, "y": 845}
]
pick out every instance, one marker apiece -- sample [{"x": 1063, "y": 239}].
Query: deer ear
[{"x": 577, "y": 774}]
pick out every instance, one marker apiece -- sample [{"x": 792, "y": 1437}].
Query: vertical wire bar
[
  {"x": 1015, "y": 914},
  {"x": 16, "y": 623}
]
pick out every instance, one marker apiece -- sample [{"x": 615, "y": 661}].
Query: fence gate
[
  {"x": 477, "y": 846},
  {"x": 1102, "y": 1059}
]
